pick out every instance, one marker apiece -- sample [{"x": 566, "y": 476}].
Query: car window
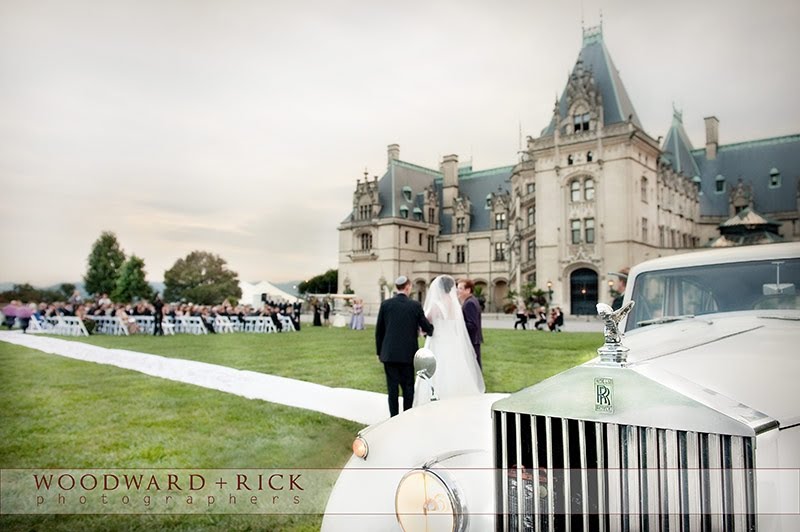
[{"x": 769, "y": 284}]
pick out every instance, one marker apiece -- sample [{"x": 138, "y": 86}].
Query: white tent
[{"x": 251, "y": 293}]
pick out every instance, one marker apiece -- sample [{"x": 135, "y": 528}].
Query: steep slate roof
[
  {"x": 390, "y": 187},
  {"x": 677, "y": 148},
  {"x": 617, "y": 105},
  {"x": 474, "y": 185},
  {"x": 752, "y": 162}
]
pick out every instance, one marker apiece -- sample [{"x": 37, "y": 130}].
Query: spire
[
  {"x": 595, "y": 59},
  {"x": 678, "y": 148}
]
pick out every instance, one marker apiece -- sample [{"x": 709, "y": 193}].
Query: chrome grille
[{"x": 560, "y": 474}]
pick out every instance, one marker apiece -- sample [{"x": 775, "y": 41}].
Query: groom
[
  {"x": 396, "y": 331},
  {"x": 472, "y": 315}
]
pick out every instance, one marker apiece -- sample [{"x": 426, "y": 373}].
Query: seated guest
[
  {"x": 273, "y": 314},
  {"x": 522, "y": 315},
  {"x": 556, "y": 320},
  {"x": 541, "y": 318},
  {"x": 10, "y": 313}
]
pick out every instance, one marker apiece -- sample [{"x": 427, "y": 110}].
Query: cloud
[{"x": 241, "y": 127}]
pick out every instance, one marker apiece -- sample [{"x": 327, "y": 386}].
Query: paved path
[{"x": 356, "y": 405}]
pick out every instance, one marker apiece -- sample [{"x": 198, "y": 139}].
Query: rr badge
[{"x": 604, "y": 395}]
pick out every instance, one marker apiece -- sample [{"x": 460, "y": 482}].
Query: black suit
[
  {"x": 396, "y": 331},
  {"x": 472, "y": 319}
]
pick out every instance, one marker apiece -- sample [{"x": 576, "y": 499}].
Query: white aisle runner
[{"x": 356, "y": 405}]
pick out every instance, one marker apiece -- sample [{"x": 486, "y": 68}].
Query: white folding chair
[
  {"x": 222, "y": 324},
  {"x": 286, "y": 323},
  {"x": 36, "y": 326}
]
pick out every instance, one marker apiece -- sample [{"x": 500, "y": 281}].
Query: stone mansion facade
[{"x": 592, "y": 194}]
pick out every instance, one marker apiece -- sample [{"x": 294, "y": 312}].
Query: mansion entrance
[{"x": 583, "y": 292}]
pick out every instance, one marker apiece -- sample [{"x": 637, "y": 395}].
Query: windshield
[{"x": 665, "y": 295}]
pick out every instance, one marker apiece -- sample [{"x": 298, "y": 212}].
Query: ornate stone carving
[
  {"x": 581, "y": 253},
  {"x": 741, "y": 196}
]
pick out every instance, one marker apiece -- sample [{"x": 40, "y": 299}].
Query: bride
[{"x": 457, "y": 371}]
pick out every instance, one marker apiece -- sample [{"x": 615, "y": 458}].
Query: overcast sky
[{"x": 240, "y": 127}]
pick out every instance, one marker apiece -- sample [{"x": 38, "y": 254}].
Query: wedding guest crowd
[{"x": 15, "y": 313}]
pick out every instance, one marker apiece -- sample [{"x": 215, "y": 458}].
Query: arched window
[
  {"x": 570, "y": 160},
  {"x": 404, "y": 211},
  {"x": 589, "y": 156},
  {"x": 407, "y": 193},
  {"x": 588, "y": 189},
  {"x": 580, "y": 122},
  {"x": 575, "y": 191}
]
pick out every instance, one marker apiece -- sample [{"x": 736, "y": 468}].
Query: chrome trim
[
  {"x": 460, "y": 511},
  {"x": 609, "y": 477},
  {"x": 520, "y": 468},
  {"x": 584, "y": 476}
]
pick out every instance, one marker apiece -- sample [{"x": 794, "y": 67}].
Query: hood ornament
[{"x": 613, "y": 352}]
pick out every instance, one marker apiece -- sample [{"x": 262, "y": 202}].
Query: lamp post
[{"x": 550, "y": 292}]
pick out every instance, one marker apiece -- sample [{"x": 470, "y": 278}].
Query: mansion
[{"x": 592, "y": 194}]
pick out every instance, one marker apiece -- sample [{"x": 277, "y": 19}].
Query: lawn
[
  {"x": 344, "y": 358},
  {"x": 61, "y": 413}
]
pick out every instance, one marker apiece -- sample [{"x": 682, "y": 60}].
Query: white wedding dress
[{"x": 457, "y": 371}]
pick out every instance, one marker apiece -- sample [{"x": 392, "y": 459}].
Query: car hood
[{"x": 750, "y": 358}]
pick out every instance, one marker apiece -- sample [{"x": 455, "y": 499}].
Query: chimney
[
  {"x": 449, "y": 169},
  {"x": 394, "y": 152},
  {"x": 712, "y": 137}
]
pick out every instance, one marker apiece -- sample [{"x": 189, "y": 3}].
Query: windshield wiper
[
  {"x": 787, "y": 318},
  {"x": 664, "y": 319}
]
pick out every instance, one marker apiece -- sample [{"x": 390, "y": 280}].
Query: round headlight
[
  {"x": 427, "y": 501},
  {"x": 360, "y": 447}
]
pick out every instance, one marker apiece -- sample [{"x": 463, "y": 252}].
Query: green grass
[
  {"x": 344, "y": 358},
  {"x": 61, "y": 413}
]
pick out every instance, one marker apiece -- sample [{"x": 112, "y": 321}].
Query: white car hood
[{"x": 752, "y": 358}]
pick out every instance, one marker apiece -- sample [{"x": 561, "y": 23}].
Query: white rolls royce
[{"x": 689, "y": 419}]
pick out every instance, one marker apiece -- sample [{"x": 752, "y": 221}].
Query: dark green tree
[
  {"x": 66, "y": 290},
  {"x": 28, "y": 294},
  {"x": 131, "y": 282},
  {"x": 105, "y": 260},
  {"x": 325, "y": 283},
  {"x": 202, "y": 278}
]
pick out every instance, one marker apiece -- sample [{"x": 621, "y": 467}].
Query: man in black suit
[
  {"x": 471, "y": 308},
  {"x": 396, "y": 332},
  {"x": 158, "y": 316}
]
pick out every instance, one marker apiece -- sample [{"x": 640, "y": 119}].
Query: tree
[
  {"x": 131, "y": 282},
  {"x": 66, "y": 290},
  {"x": 105, "y": 260},
  {"x": 27, "y": 294},
  {"x": 202, "y": 278},
  {"x": 325, "y": 283}
]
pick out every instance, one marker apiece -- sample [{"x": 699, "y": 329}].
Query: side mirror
[{"x": 424, "y": 363}]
